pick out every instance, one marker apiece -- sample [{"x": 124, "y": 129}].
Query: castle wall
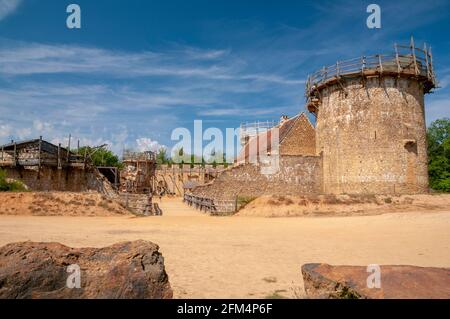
[
  {"x": 171, "y": 179},
  {"x": 53, "y": 179},
  {"x": 300, "y": 140},
  {"x": 297, "y": 175},
  {"x": 373, "y": 136}
]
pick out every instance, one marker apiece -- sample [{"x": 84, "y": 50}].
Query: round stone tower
[{"x": 370, "y": 122}]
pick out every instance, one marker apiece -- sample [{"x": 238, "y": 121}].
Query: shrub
[
  {"x": 242, "y": 201},
  {"x": 10, "y": 186}
]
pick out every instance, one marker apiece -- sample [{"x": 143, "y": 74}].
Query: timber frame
[{"x": 406, "y": 61}]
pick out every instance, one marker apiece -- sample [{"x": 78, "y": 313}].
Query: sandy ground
[
  {"x": 59, "y": 204},
  {"x": 343, "y": 205},
  {"x": 245, "y": 257}
]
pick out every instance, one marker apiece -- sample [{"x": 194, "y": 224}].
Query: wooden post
[
  {"x": 59, "y": 156},
  {"x": 413, "y": 52},
  {"x": 68, "y": 150},
  {"x": 2, "y": 153},
  {"x": 15, "y": 154},
  {"x": 399, "y": 68},
  {"x": 431, "y": 63},
  {"x": 116, "y": 178},
  {"x": 85, "y": 157},
  {"x": 39, "y": 155},
  {"x": 363, "y": 66},
  {"x": 78, "y": 147},
  {"x": 426, "y": 59},
  {"x": 380, "y": 64}
]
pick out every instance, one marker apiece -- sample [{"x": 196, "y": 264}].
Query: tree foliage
[
  {"x": 100, "y": 156},
  {"x": 179, "y": 156},
  {"x": 438, "y": 138},
  {"x": 10, "y": 186}
]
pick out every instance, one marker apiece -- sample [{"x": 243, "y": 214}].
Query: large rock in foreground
[
  {"x": 403, "y": 282},
  {"x": 124, "y": 270}
]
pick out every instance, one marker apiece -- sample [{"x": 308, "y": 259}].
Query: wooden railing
[
  {"x": 138, "y": 156},
  {"x": 407, "y": 59},
  {"x": 212, "y": 206}
]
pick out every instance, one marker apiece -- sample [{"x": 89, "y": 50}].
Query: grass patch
[
  {"x": 242, "y": 201},
  {"x": 10, "y": 186},
  {"x": 275, "y": 295}
]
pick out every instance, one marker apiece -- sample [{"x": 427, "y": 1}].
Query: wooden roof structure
[
  {"x": 261, "y": 144},
  {"x": 38, "y": 152}
]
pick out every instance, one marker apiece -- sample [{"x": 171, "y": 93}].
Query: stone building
[
  {"x": 370, "y": 134},
  {"x": 298, "y": 167},
  {"x": 43, "y": 166},
  {"x": 370, "y": 126},
  {"x": 296, "y": 137}
]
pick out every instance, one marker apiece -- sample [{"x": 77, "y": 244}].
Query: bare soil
[
  {"x": 343, "y": 205},
  {"x": 59, "y": 204},
  {"x": 250, "y": 257}
]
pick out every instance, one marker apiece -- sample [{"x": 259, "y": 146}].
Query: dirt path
[{"x": 244, "y": 257}]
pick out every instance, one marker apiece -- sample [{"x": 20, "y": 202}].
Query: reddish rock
[
  {"x": 403, "y": 282},
  {"x": 124, "y": 270}
]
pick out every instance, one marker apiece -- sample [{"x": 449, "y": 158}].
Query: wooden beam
[
  {"x": 68, "y": 149},
  {"x": 59, "y": 156},
  {"x": 39, "y": 156},
  {"x": 426, "y": 59},
  {"x": 15, "y": 154},
  {"x": 413, "y": 52},
  {"x": 431, "y": 63},
  {"x": 399, "y": 68}
]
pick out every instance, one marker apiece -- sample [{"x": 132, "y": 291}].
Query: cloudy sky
[{"x": 138, "y": 69}]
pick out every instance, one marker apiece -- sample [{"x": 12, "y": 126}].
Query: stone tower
[{"x": 370, "y": 122}]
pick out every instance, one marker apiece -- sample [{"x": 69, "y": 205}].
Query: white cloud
[
  {"x": 7, "y": 7},
  {"x": 437, "y": 108},
  {"x": 42, "y": 127},
  {"x": 147, "y": 144},
  {"x": 18, "y": 58},
  {"x": 5, "y": 131}
]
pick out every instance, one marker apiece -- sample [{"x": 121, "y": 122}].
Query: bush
[
  {"x": 6, "y": 186},
  {"x": 242, "y": 201},
  {"x": 438, "y": 137}
]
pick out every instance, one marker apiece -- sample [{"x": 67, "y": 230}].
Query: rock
[
  {"x": 124, "y": 270},
  {"x": 403, "y": 282}
]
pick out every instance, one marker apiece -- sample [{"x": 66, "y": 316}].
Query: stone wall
[
  {"x": 171, "y": 179},
  {"x": 66, "y": 179},
  {"x": 301, "y": 138},
  {"x": 297, "y": 175},
  {"x": 372, "y": 136}
]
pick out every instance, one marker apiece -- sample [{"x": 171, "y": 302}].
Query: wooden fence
[
  {"x": 406, "y": 59},
  {"x": 211, "y": 205}
]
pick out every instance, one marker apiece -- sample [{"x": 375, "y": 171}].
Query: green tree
[
  {"x": 161, "y": 156},
  {"x": 438, "y": 138},
  {"x": 100, "y": 156}
]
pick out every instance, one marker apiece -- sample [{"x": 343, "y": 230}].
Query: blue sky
[{"x": 138, "y": 69}]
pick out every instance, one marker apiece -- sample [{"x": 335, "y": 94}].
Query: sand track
[
  {"x": 59, "y": 204},
  {"x": 245, "y": 257}
]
